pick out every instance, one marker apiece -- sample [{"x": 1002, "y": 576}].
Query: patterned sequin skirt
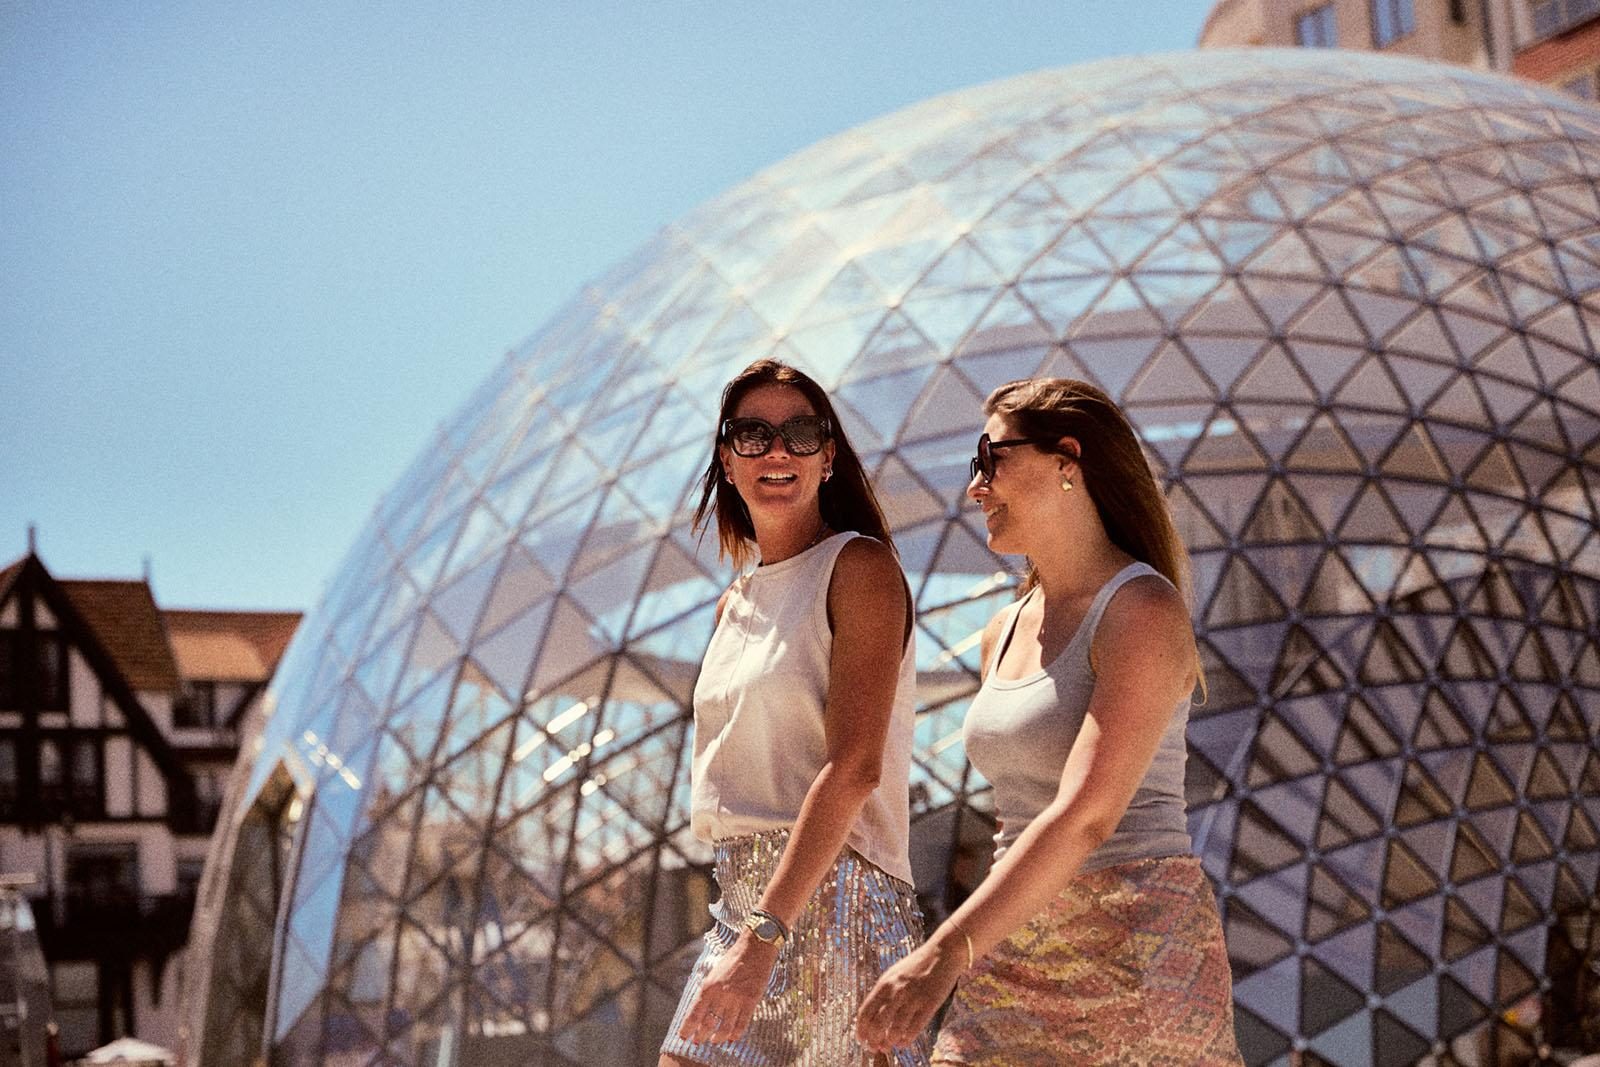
[
  {"x": 858, "y": 923},
  {"x": 1127, "y": 966}
]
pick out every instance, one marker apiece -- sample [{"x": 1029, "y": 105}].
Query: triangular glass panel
[
  {"x": 1260, "y": 846},
  {"x": 1495, "y": 472},
  {"x": 1278, "y": 755},
  {"x": 1290, "y": 255},
  {"x": 1280, "y": 517},
  {"x": 1276, "y": 377},
  {"x": 1414, "y": 456},
  {"x": 1324, "y": 447},
  {"x": 1196, "y": 528},
  {"x": 1021, "y": 226},
  {"x": 1373, "y": 386},
  {"x": 607, "y": 594},
  {"x": 1183, "y": 250},
  {"x": 1224, "y": 358},
  {"x": 1225, "y": 446},
  {"x": 1406, "y": 877},
  {"x": 883, "y": 401},
  {"x": 1237, "y": 239},
  {"x": 1227, "y": 311},
  {"x": 947, "y": 406},
  {"x": 1389, "y": 659},
  {"x": 1472, "y": 334},
  {"x": 1488, "y": 788},
  {"x": 1118, "y": 312},
  {"x": 830, "y": 345},
  {"x": 1060, "y": 301},
  {"x": 1008, "y": 325},
  {"x": 1170, "y": 377},
  {"x": 905, "y": 499},
  {"x": 572, "y": 641},
  {"x": 457, "y": 607},
  {"x": 1325, "y": 997},
  {"x": 1372, "y": 518},
  {"x": 1113, "y": 362},
  {"x": 1345, "y": 818}
]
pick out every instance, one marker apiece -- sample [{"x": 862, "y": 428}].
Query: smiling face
[
  {"x": 1024, "y": 497},
  {"x": 778, "y": 486}
]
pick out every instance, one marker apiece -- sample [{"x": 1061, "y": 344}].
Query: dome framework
[{"x": 1351, "y": 304}]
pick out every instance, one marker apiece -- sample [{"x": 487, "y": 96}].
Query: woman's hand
[
  {"x": 903, "y": 1002},
  {"x": 728, "y": 997}
]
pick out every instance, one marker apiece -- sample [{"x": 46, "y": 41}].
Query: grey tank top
[{"x": 1019, "y": 732}]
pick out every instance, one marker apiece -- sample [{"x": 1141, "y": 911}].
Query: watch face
[{"x": 765, "y": 929}]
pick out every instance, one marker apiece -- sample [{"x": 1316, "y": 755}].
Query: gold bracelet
[{"x": 967, "y": 937}]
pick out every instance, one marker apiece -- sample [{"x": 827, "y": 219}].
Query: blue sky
[{"x": 251, "y": 255}]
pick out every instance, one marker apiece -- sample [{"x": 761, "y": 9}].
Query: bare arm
[
  {"x": 867, "y": 605},
  {"x": 1145, "y": 649},
  {"x": 1146, "y": 657}
]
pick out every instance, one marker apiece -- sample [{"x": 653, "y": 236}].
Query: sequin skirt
[
  {"x": 858, "y": 923},
  {"x": 1126, "y": 966}
]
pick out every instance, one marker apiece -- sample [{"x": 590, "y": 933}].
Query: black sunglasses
[
  {"x": 983, "y": 462},
  {"x": 803, "y": 435}
]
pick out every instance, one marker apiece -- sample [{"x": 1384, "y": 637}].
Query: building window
[
  {"x": 87, "y": 798},
  {"x": 52, "y": 777},
  {"x": 209, "y": 787},
  {"x": 103, "y": 876},
  {"x": 1391, "y": 20},
  {"x": 1316, "y": 28},
  {"x": 8, "y": 778},
  {"x": 1556, "y": 16},
  {"x": 75, "y": 999},
  {"x": 189, "y": 872},
  {"x": 50, "y": 670},
  {"x": 70, "y": 777},
  {"x": 197, "y": 706}
]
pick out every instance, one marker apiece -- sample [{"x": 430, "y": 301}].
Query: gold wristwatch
[{"x": 766, "y": 927}]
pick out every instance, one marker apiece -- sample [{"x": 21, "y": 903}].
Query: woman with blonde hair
[
  {"x": 803, "y": 715},
  {"x": 1095, "y": 937}
]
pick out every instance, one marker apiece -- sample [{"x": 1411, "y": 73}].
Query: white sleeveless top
[{"x": 758, "y": 735}]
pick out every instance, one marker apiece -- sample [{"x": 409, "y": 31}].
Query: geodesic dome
[{"x": 1349, "y": 301}]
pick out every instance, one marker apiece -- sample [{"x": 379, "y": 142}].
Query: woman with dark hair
[
  {"x": 1095, "y": 938},
  {"x": 802, "y": 749}
]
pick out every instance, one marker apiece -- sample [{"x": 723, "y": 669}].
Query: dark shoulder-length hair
[
  {"x": 1116, "y": 475},
  {"x": 846, "y": 499}
]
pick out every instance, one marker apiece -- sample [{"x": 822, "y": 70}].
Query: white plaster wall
[
  {"x": 151, "y": 798},
  {"x": 84, "y": 689},
  {"x": 158, "y": 706},
  {"x": 119, "y": 776}
]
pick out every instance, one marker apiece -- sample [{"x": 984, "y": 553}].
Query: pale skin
[
  {"x": 1143, "y": 656},
  {"x": 868, "y": 612}
]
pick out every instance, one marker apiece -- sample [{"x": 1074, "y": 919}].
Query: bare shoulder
[
  {"x": 867, "y": 567},
  {"x": 1146, "y": 615}
]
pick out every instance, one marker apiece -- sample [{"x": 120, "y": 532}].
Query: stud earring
[
  {"x": 1066, "y": 485},
  {"x": 827, "y": 472}
]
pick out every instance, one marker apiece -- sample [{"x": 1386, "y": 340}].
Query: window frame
[
  {"x": 1398, "y": 16},
  {"x": 1324, "y": 18}
]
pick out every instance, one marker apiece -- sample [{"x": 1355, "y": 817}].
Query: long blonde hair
[{"x": 1117, "y": 477}]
